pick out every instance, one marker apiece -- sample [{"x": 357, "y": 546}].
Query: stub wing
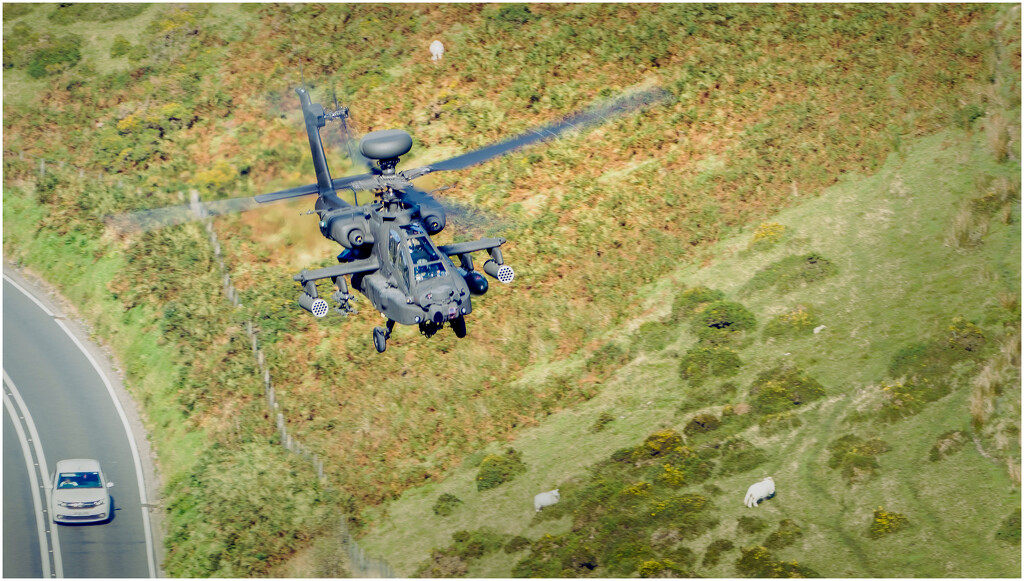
[
  {"x": 474, "y": 246},
  {"x": 363, "y": 266}
]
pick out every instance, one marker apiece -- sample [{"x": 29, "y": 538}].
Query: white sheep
[
  {"x": 546, "y": 499},
  {"x": 436, "y": 50},
  {"x": 759, "y": 491}
]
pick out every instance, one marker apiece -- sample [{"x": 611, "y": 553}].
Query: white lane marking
[
  {"x": 147, "y": 527},
  {"x": 34, "y": 474}
]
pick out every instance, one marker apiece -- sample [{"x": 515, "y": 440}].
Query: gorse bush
[
  {"x": 54, "y": 56},
  {"x": 886, "y": 523},
  {"x": 723, "y": 317},
  {"x": 766, "y": 235},
  {"x": 497, "y": 469},
  {"x": 787, "y": 534},
  {"x": 633, "y": 509},
  {"x": 758, "y": 561},
  {"x": 702, "y": 423},
  {"x": 799, "y": 321},
  {"x": 946, "y": 445},
  {"x": 705, "y": 361},
  {"x": 782, "y": 387},
  {"x": 692, "y": 301},
  {"x": 446, "y": 504},
  {"x": 714, "y": 552},
  {"x": 751, "y": 524},
  {"x": 791, "y": 273},
  {"x": 1009, "y": 530},
  {"x": 856, "y": 457}
]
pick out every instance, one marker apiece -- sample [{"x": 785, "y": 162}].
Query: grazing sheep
[
  {"x": 760, "y": 491},
  {"x": 436, "y": 50},
  {"x": 546, "y": 499}
]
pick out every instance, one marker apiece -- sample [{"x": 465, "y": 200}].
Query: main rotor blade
[
  {"x": 582, "y": 120},
  {"x": 146, "y": 220},
  {"x": 298, "y": 192}
]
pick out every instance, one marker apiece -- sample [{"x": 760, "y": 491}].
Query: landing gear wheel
[
  {"x": 459, "y": 326},
  {"x": 380, "y": 340}
]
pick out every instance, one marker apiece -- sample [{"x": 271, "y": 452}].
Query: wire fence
[{"x": 360, "y": 564}]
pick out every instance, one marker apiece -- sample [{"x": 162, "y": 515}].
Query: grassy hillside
[
  {"x": 897, "y": 282},
  {"x": 131, "y": 106}
]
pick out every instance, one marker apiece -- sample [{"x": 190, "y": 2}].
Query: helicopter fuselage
[{"x": 416, "y": 282}]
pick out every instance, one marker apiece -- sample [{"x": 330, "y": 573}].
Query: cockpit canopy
[{"x": 414, "y": 255}]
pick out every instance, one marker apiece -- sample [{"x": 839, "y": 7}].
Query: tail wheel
[{"x": 459, "y": 326}]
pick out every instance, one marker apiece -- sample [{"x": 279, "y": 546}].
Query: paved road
[{"x": 57, "y": 405}]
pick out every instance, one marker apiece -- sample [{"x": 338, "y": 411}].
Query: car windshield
[{"x": 79, "y": 480}]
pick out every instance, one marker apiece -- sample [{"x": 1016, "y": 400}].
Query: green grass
[{"x": 884, "y": 233}]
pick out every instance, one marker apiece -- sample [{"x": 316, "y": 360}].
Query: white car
[{"x": 79, "y": 493}]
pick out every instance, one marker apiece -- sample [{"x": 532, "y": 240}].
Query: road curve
[{"x": 62, "y": 401}]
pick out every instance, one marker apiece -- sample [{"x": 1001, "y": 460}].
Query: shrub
[
  {"x": 120, "y": 46},
  {"x": 855, "y": 456},
  {"x": 609, "y": 356},
  {"x": 784, "y": 536},
  {"x": 663, "y": 568},
  {"x": 702, "y": 423},
  {"x": 692, "y": 301},
  {"x": 751, "y": 524},
  {"x": 475, "y": 544},
  {"x": 905, "y": 397},
  {"x": 759, "y": 562},
  {"x": 947, "y": 444},
  {"x": 673, "y": 477},
  {"x": 686, "y": 512},
  {"x": 796, "y": 322},
  {"x": 602, "y": 420},
  {"x": 442, "y": 565},
  {"x": 766, "y": 235},
  {"x": 703, "y": 361},
  {"x": 516, "y": 544},
  {"x": 509, "y": 17},
  {"x": 1009, "y": 531},
  {"x": 654, "y": 336},
  {"x": 701, "y": 397},
  {"x": 791, "y": 273},
  {"x": 446, "y": 504},
  {"x": 780, "y": 388},
  {"x": 714, "y": 553},
  {"x": 723, "y": 316},
  {"x": 885, "y": 523},
  {"x": 741, "y": 456},
  {"x": 59, "y": 54},
  {"x": 963, "y": 335},
  {"x": 660, "y": 443},
  {"x": 496, "y": 469},
  {"x": 777, "y": 423}
]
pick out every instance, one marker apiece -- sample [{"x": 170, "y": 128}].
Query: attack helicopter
[
  {"x": 388, "y": 253},
  {"x": 387, "y": 248}
]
